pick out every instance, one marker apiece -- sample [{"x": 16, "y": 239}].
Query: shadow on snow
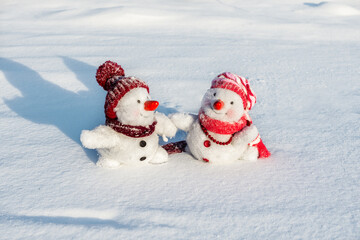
[{"x": 44, "y": 102}]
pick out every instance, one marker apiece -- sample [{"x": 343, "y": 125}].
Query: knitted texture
[
  {"x": 238, "y": 85},
  {"x": 208, "y": 144},
  {"x": 120, "y": 87},
  {"x": 106, "y": 71},
  {"x": 111, "y": 77},
  {"x": 263, "y": 151},
  {"x": 129, "y": 130},
  {"x": 175, "y": 147},
  {"x": 222, "y": 127}
]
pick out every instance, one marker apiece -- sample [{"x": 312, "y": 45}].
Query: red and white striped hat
[
  {"x": 237, "y": 84},
  {"x": 111, "y": 77}
]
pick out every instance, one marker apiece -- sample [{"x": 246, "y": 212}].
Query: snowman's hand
[
  {"x": 245, "y": 136},
  {"x": 164, "y": 126},
  {"x": 100, "y": 137},
  {"x": 183, "y": 121}
]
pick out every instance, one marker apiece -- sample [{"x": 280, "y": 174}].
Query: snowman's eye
[
  {"x": 214, "y": 94},
  {"x": 138, "y": 101},
  {"x": 231, "y": 102}
]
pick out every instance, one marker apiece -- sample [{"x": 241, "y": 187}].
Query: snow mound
[
  {"x": 331, "y": 8},
  {"x": 294, "y": 54}
]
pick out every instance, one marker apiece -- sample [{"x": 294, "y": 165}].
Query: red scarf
[
  {"x": 129, "y": 130},
  {"x": 222, "y": 127}
]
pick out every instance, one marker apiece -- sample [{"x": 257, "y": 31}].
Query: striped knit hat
[
  {"x": 112, "y": 78},
  {"x": 237, "y": 84}
]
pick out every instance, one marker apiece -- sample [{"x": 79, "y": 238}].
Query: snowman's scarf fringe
[
  {"x": 221, "y": 127},
  {"x": 129, "y": 130}
]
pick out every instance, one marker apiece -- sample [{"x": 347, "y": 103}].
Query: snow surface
[{"x": 302, "y": 59}]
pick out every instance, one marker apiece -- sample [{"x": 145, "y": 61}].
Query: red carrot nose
[
  {"x": 218, "y": 105},
  {"x": 151, "y": 105}
]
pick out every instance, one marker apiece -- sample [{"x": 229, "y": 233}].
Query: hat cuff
[
  {"x": 123, "y": 86},
  {"x": 230, "y": 85}
]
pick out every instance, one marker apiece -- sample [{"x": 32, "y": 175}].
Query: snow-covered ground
[{"x": 303, "y": 61}]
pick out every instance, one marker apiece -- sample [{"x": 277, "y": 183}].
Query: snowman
[
  {"x": 222, "y": 132},
  {"x": 130, "y": 134}
]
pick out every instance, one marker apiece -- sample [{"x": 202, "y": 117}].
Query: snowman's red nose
[
  {"x": 218, "y": 105},
  {"x": 151, "y": 105}
]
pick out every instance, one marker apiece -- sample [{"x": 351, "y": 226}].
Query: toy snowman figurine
[
  {"x": 130, "y": 135},
  {"x": 223, "y": 130}
]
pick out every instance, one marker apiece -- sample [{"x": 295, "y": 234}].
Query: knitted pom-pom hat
[
  {"x": 237, "y": 84},
  {"x": 112, "y": 78}
]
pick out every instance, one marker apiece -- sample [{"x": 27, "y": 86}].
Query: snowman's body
[
  {"x": 202, "y": 148},
  {"x": 121, "y": 149},
  {"x": 130, "y": 150},
  {"x": 224, "y": 108},
  {"x": 116, "y": 148}
]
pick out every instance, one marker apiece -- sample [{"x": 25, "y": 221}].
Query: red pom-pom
[{"x": 108, "y": 70}]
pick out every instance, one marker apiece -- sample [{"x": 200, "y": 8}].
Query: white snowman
[
  {"x": 223, "y": 130},
  {"x": 130, "y": 135}
]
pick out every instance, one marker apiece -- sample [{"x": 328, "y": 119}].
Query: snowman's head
[
  {"x": 136, "y": 108},
  {"x": 127, "y": 98},
  {"x": 222, "y": 104},
  {"x": 229, "y": 98}
]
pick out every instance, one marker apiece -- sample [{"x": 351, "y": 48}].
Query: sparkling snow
[{"x": 302, "y": 59}]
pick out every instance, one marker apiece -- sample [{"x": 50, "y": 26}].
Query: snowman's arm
[
  {"x": 100, "y": 137},
  {"x": 183, "y": 121},
  {"x": 164, "y": 126},
  {"x": 246, "y": 136}
]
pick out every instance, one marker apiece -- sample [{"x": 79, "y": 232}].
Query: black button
[
  {"x": 142, "y": 158},
  {"x": 142, "y": 143}
]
